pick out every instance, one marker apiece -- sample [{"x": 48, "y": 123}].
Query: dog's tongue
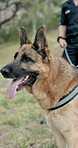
[{"x": 11, "y": 91}]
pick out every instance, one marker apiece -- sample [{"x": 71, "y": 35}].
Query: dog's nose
[{"x": 5, "y": 71}]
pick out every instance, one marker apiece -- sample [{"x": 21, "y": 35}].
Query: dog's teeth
[
  {"x": 27, "y": 77},
  {"x": 24, "y": 79}
]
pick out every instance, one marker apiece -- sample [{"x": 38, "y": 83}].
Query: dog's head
[{"x": 30, "y": 63}]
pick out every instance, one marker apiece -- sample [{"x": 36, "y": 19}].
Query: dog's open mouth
[{"x": 18, "y": 84}]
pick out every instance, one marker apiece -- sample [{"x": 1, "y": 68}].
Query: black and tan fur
[{"x": 54, "y": 78}]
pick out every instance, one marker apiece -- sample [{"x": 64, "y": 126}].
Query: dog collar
[{"x": 66, "y": 99}]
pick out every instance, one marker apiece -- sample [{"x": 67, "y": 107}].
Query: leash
[
  {"x": 66, "y": 99},
  {"x": 69, "y": 60}
]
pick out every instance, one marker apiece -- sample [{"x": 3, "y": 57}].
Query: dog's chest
[
  {"x": 63, "y": 120},
  {"x": 58, "y": 124}
]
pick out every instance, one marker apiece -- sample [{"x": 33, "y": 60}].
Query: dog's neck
[{"x": 60, "y": 81}]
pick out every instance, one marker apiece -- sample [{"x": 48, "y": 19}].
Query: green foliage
[
  {"x": 40, "y": 13},
  {"x": 2, "y": 0},
  {"x": 56, "y": 2},
  {"x": 37, "y": 13},
  {"x": 5, "y": 103},
  {"x": 14, "y": 122},
  {"x": 52, "y": 145},
  {"x": 9, "y": 32}
]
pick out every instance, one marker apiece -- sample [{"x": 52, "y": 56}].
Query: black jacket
[{"x": 69, "y": 18}]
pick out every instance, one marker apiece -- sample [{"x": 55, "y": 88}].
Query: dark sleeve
[{"x": 63, "y": 17}]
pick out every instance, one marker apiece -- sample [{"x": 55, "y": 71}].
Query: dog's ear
[
  {"x": 23, "y": 37},
  {"x": 40, "y": 42},
  {"x": 40, "y": 39}
]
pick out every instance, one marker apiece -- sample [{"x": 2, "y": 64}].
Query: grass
[{"x": 20, "y": 118}]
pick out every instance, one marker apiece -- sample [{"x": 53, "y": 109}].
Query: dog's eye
[
  {"x": 15, "y": 55},
  {"x": 25, "y": 58}
]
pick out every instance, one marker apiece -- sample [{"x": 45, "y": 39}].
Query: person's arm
[
  {"x": 61, "y": 35},
  {"x": 62, "y": 30}
]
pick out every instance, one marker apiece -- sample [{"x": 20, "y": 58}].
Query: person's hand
[{"x": 62, "y": 43}]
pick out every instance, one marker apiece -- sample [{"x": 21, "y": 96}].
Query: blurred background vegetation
[{"x": 28, "y": 13}]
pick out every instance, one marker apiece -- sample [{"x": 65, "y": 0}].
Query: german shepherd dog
[{"x": 49, "y": 79}]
